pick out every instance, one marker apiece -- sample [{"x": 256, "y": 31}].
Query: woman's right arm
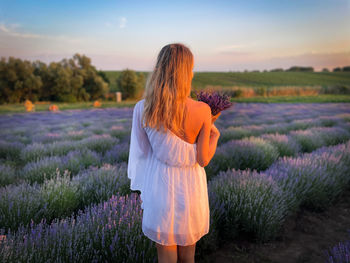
[{"x": 207, "y": 138}]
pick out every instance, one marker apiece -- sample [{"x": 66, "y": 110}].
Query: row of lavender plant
[
  {"x": 260, "y": 152},
  {"x": 314, "y": 179},
  {"x": 255, "y": 205},
  {"x": 74, "y": 161},
  {"x": 42, "y": 127},
  {"x": 239, "y": 132},
  {"x": 258, "y": 113},
  {"x": 98, "y": 143},
  {"x": 107, "y": 232},
  {"x": 340, "y": 253},
  {"x": 241, "y": 202},
  {"x": 60, "y": 196}
]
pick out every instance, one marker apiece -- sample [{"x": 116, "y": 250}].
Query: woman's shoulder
[
  {"x": 198, "y": 112},
  {"x": 200, "y": 106}
]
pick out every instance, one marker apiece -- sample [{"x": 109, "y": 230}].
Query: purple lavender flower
[
  {"x": 340, "y": 252},
  {"x": 216, "y": 101}
]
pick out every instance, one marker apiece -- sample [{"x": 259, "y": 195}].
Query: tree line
[
  {"x": 305, "y": 69},
  {"x": 69, "y": 80}
]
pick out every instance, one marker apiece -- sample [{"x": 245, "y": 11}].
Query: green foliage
[
  {"x": 60, "y": 194},
  {"x": 297, "y": 68},
  {"x": 337, "y": 89},
  {"x": 277, "y": 70},
  {"x": 18, "y": 81},
  {"x": 261, "y": 91},
  {"x": 103, "y": 75},
  {"x": 130, "y": 84},
  {"x": 346, "y": 68},
  {"x": 70, "y": 80}
]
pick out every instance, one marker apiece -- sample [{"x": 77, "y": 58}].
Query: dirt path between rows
[{"x": 304, "y": 238}]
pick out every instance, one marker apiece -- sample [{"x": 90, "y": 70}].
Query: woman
[{"x": 172, "y": 139}]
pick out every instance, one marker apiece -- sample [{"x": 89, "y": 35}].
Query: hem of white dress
[{"x": 172, "y": 244}]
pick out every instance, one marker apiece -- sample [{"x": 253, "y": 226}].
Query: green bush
[{"x": 130, "y": 84}]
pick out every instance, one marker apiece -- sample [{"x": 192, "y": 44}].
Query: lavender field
[{"x": 65, "y": 197}]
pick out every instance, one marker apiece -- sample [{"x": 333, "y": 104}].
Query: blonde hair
[{"x": 167, "y": 88}]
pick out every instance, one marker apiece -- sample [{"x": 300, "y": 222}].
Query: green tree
[
  {"x": 103, "y": 75},
  {"x": 142, "y": 83},
  {"x": 93, "y": 83},
  {"x": 277, "y": 70},
  {"x": 129, "y": 84},
  {"x": 302, "y": 69},
  {"x": 18, "y": 81},
  {"x": 69, "y": 80},
  {"x": 346, "y": 68}
]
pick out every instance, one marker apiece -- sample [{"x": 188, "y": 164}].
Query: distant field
[
  {"x": 296, "y": 99},
  {"x": 228, "y": 79},
  {"x": 264, "y": 87},
  {"x": 256, "y": 79}
]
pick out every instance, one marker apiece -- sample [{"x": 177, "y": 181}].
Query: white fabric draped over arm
[{"x": 140, "y": 148}]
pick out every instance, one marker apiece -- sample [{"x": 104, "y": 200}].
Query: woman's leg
[
  {"x": 166, "y": 254},
  {"x": 186, "y": 253}
]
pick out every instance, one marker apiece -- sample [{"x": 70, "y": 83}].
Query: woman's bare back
[{"x": 193, "y": 120}]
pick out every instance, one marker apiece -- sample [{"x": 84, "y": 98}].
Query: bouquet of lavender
[{"x": 216, "y": 102}]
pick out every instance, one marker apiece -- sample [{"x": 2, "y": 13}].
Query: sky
[{"x": 234, "y": 35}]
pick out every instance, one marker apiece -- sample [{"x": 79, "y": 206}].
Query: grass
[
  {"x": 296, "y": 99},
  {"x": 226, "y": 79},
  {"x": 44, "y": 106},
  {"x": 257, "y": 79}
]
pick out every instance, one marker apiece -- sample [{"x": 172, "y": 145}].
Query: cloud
[
  {"x": 3, "y": 28},
  {"x": 10, "y": 30},
  {"x": 122, "y": 22}
]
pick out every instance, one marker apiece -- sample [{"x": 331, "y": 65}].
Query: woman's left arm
[{"x": 139, "y": 150}]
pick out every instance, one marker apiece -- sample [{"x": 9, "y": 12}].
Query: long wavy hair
[{"x": 167, "y": 88}]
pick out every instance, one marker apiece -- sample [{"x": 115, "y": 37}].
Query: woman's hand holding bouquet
[{"x": 216, "y": 102}]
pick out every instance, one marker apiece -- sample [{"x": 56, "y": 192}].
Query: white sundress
[{"x": 173, "y": 185}]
